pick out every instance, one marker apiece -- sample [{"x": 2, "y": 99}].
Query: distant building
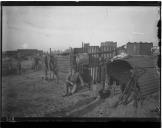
[
  {"x": 10, "y": 54},
  {"x": 109, "y": 43},
  {"x": 121, "y": 49},
  {"x": 77, "y": 50},
  {"x": 108, "y": 46},
  {"x": 93, "y": 49},
  {"x": 29, "y": 52},
  {"x": 139, "y": 48},
  {"x": 85, "y": 47}
]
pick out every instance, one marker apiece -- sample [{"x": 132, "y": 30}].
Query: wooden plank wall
[
  {"x": 63, "y": 63},
  {"x": 94, "y": 54},
  {"x": 93, "y": 62}
]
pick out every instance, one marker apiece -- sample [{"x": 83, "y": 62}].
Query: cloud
[{"x": 24, "y": 46}]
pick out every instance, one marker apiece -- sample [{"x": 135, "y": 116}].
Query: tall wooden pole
[
  {"x": 82, "y": 47},
  {"x": 49, "y": 63},
  {"x": 71, "y": 59}
]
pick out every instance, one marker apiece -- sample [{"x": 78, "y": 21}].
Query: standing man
[
  {"x": 46, "y": 66},
  {"x": 53, "y": 67},
  {"x": 36, "y": 63}
]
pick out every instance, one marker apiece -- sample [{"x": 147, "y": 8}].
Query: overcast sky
[{"x": 63, "y": 27}]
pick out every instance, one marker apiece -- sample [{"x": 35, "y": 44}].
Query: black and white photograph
[{"x": 80, "y": 61}]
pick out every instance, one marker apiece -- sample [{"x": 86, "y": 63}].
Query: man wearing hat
[{"x": 72, "y": 81}]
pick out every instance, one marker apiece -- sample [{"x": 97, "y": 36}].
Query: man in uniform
[
  {"x": 36, "y": 63},
  {"x": 46, "y": 65},
  {"x": 72, "y": 82},
  {"x": 19, "y": 67}
]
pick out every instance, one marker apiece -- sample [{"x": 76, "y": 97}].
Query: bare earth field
[{"x": 28, "y": 95}]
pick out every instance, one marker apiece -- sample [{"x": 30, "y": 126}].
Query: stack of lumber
[
  {"x": 63, "y": 63},
  {"x": 149, "y": 81}
]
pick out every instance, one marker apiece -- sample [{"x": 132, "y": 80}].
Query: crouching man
[{"x": 72, "y": 82}]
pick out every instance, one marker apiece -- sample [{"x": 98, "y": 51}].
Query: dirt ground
[{"x": 28, "y": 95}]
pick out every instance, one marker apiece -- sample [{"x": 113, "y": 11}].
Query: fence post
[{"x": 71, "y": 56}]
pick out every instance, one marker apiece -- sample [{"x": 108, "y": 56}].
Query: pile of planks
[
  {"x": 148, "y": 80},
  {"x": 63, "y": 64}
]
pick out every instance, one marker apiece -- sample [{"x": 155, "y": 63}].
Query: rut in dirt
[
  {"x": 90, "y": 107},
  {"x": 81, "y": 103}
]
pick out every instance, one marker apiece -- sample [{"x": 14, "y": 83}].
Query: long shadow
[
  {"x": 87, "y": 109},
  {"x": 62, "y": 112}
]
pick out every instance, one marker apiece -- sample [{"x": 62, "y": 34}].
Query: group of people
[{"x": 47, "y": 62}]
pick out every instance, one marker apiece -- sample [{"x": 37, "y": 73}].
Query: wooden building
[{"x": 139, "y": 48}]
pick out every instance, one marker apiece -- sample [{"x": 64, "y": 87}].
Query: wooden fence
[
  {"x": 63, "y": 63},
  {"x": 95, "y": 54},
  {"x": 94, "y": 62}
]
